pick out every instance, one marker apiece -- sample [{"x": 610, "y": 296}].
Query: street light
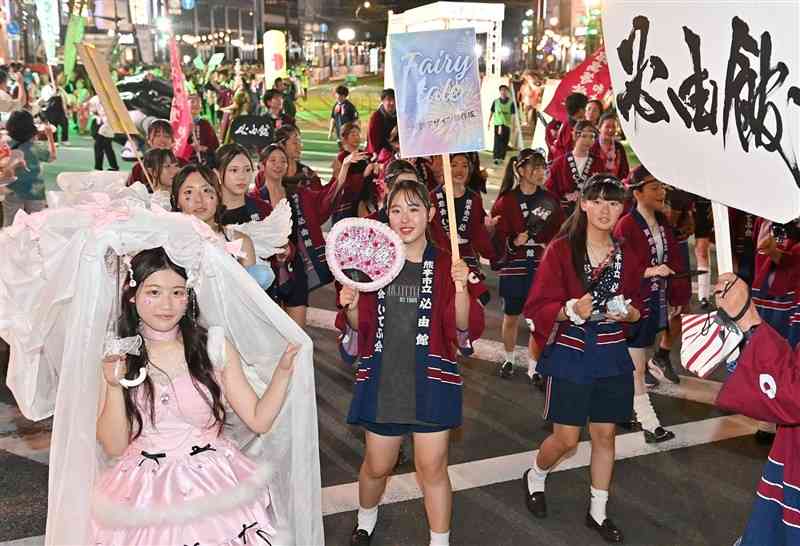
[
  {"x": 529, "y": 13},
  {"x": 553, "y": 21},
  {"x": 345, "y": 35}
]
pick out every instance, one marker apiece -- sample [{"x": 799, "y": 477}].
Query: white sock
[
  {"x": 703, "y": 284},
  {"x": 597, "y": 504},
  {"x": 536, "y": 479},
  {"x": 440, "y": 539},
  {"x": 510, "y": 356},
  {"x": 367, "y": 518},
  {"x": 645, "y": 413},
  {"x": 532, "y": 363}
]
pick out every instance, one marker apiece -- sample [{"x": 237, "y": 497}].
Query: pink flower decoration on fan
[{"x": 364, "y": 254}]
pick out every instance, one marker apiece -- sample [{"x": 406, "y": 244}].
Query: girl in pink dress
[{"x": 176, "y": 480}]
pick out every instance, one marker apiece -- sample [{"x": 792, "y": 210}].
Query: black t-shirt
[
  {"x": 241, "y": 215},
  {"x": 397, "y": 401},
  {"x": 541, "y": 209}
]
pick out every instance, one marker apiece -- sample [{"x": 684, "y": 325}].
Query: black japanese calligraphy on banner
[
  {"x": 254, "y": 132},
  {"x": 712, "y": 104}
]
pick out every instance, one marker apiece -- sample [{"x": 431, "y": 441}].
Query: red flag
[
  {"x": 180, "y": 115},
  {"x": 591, "y": 78}
]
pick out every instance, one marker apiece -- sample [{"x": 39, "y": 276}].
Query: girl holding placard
[
  {"x": 400, "y": 392},
  {"x": 584, "y": 297},
  {"x": 529, "y": 217}
]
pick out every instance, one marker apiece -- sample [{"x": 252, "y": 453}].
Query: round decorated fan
[{"x": 365, "y": 254}]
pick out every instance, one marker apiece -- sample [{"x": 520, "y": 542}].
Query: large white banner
[
  {"x": 47, "y": 13},
  {"x": 708, "y": 94}
]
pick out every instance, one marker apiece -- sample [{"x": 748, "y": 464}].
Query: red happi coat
[
  {"x": 314, "y": 210},
  {"x": 776, "y": 286},
  {"x": 679, "y": 291},
  {"x": 512, "y": 223},
  {"x": 551, "y": 136},
  {"x": 618, "y": 166},
  {"x": 205, "y": 137},
  {"x": 564, "y": 141},
  {"x": 578, "y": 353},
  {"x": 563, "y": 183},
  {"x": 439, "y": 383},
  {"x": 346, "y": 204},
  {"x": 476, "y": 238},
  {"x": 766, "y": 386}
]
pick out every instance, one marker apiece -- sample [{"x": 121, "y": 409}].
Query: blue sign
[{"x": 438, "y": 92}]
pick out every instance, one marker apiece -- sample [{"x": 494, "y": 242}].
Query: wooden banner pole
[
  {"x": 722, "y": 236},
  {"x": 140, "y": 161},
  {"x": 451, "y": 212}
]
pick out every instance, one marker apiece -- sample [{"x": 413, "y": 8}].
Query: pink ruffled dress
[{"x": 179, "y": 483}]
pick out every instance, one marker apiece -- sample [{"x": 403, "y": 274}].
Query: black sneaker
[
  {"x": 650, "y": 380},
  {"x": 538, "y": 381},
  {"x": 506, "y": 369},
  {"x": 360, "y": 537},
  {"x": 536, "y": 502},
  {"x": 607, "y": 530},
  {"x": 665, "y": 366},
  {"x": 660, "y": 434}
]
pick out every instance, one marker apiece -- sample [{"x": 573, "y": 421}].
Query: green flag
[
  {"x": 199, "y": 64},
  {"x": 73, "y": 38},
  {"x": 213, "y": 64}
]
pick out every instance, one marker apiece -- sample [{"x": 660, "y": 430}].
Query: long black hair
[
  {"x": 209, "y": 176},
  {"x": 476, "y": 180},
  {"x": 227, "y": 153},
  {"x": 154, "y": 161},
  {"x": 515, "y": 163},
  {"x": 599, "y": 186},
  {"x": 194, "y": 336}
]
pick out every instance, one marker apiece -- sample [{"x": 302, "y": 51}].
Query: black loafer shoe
[
  {"x": 608, "y": 531},
  {"x": 506, "y": 369},
  {"x": 536, "y": 502},
  {"x": 360, "y": 537},
  {"x": 660, "y": 434},
  {"x": 538, "y": 381}
]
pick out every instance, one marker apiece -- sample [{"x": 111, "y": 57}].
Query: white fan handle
[{"x": 129, "y": 383}]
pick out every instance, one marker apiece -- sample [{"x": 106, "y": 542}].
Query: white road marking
[{"x": 344, "y": 498}]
